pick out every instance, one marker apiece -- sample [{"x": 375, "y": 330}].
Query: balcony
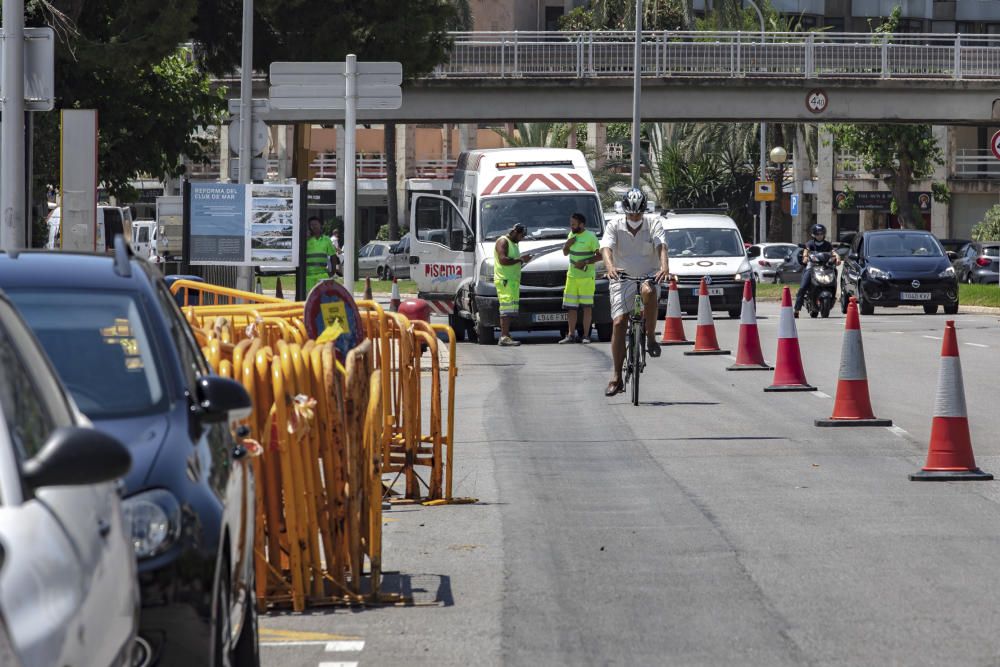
[{"x": 975, "y": 163}]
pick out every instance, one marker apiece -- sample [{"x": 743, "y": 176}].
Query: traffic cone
[
  {"x": 705, "y": 341},
  {"x": 853, "y": 406},
  {"x": 260, "y": 288},
  {"x": 788, "y": 372},
  {"x": 749, "y": 356},
  {"x": 949, "y": 456},
  {"x": 278, "y": 294},
  {"x": 368, "y": 289},
  {"x": 673, "y": 326},
  {"x": 394, "y": 297}
]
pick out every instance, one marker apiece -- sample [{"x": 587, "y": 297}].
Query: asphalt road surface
[{"x": 711, "y": 525}]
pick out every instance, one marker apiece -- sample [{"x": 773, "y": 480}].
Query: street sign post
[
  {"x": 348, "y": 85},
  {"x": 995, "y": 144}
]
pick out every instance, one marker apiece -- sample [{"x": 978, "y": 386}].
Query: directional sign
[
  {"x": 995, "y": 144},
  {"x": 323, "y": 86},
  {"x": 325, "y": 74},
  {"x": 259, "y": 106},
  {"x": 39, "y": 69},
  {"x": 291, "y": 98}
]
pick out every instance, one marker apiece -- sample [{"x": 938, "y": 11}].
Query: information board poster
[{"x": 236, "y": 224}]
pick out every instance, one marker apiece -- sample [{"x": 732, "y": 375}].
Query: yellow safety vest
[{"x": 510, "y": 272}]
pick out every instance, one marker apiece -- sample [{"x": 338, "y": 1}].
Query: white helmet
[{"x": 634, "y": 201}]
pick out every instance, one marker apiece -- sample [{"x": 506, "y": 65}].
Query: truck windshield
[
  {"x": 704, "y": 242},
  {"x": 546, "y": 216}
]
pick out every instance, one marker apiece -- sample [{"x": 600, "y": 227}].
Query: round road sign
[
  {"x": 995, "y": 145},
  {"x": 259, "y": 136},
  {"x": 816, "y": 100}
]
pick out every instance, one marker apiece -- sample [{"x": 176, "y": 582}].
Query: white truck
[{"x": 452, "y": 239}]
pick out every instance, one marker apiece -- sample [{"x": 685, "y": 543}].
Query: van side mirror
[{"x": 77, "y": 456}]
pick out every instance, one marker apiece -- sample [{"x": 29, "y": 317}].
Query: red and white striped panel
[
  {"x": 538, "y": 182},
  {"x": 442, "y": 307}
]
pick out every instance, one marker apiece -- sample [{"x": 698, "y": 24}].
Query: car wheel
[
  {"x": 379, "y": 273},
  {"x": 951, "y": 309},
  {"x": 930, "y": 309},
  {"x": 866, "y": 306},
  {"x": 460, "y": 325},
  {"x": 485, "y": 335},
  {"x": 247, "y": 652},
  {"x": 223, "y": 624},
  {"x": 604, "y": 332}
]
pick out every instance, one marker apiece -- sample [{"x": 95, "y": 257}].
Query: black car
[
  {"x": 122, "y": 348},
  {"x": 978, "y": 262},
  {"x": 890, "y": 268}
]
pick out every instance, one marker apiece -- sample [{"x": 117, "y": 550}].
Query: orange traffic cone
[
  {"x": 394, "y": 297},
  {"x": 749, "y": 356},
  {"x": 673, "y": 326},
  {"x": 949, "y": 456},
  {"x": 368, "y": 289},
  {"x": 705, "y": 341},
  {"x": 853, "y": 406},
  {"x": 278, "y": 294},
  {"x": 788, "y": 372}
]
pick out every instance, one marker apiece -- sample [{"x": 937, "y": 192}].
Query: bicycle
[{"x": 635, "y": 338}]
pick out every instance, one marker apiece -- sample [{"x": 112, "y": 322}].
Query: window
[
  {"x": 27, "y": 417},
  {"x": 753, "y": 251},
  {"x": 100, "y": 346},
  {"x": 191, "y": 359},
  {"x": 544, "y": 216},
  {"x": 113, "y": 226},
  {"x": 379, "y": 251},
  {"x": 438, "y": 221},
  {"x": 779, "y": 251},
  {"x": 704, "y": 242},
  {"x": 834, "y": 23},
  {"x": 143, "y": 235},
  {"x": 366, "y": 251},
  {"x": 552, "y": 16}
]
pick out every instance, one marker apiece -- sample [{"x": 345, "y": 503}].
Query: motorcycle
[{"x": 822, "y": 284}]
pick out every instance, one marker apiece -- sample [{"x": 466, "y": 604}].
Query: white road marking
[
  {"x": 338, "y": 664},
  {"x": 302, "y": 643},
  {"x": 899, "y": 332},
  {"x": 977, "y": 345},
  {"x": 332, "y": 647},
  {"x": 933, "y": 337},
  {"x": 895, "y": 430},
  {"x": 819, "y": 394}
]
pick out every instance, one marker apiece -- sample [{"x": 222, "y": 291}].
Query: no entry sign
[{"x": 995, "y": 145}]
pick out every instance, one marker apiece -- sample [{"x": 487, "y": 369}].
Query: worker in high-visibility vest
[
  {"x": 583, "y": 250},
  {"x": 319, "y": 250},
  {"x": 507, "y": 263}
]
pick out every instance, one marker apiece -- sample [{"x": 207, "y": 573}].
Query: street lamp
[
  {"x": 778, "y": 155},
  {"x": 763, "y": 134}
]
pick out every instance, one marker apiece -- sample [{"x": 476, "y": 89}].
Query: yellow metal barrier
[{"x": 216, "y": 294}]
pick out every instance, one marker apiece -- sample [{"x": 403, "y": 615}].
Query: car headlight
[
  {"x": 947, "y": 273},
  {"x": 153, "y": 519},
  {"x": 878, "y": 274},
  {"x": 486, "y": 272}
]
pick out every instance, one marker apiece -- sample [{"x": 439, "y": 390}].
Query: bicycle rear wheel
[{"x": 636, "y": 361}]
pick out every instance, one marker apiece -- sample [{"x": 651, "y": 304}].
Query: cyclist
[
  {"x": 633, "y": 243},
  {"x": 818, "y": 243}
]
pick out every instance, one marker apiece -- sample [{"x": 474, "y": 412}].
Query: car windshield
[
  {"x": 100, "y": 346},
  {"x": 544, "y": 216},
  {"x": 704, "y": 242},
  {"x": 778, "y": 251},
  {"x": 903, "y": 245}
]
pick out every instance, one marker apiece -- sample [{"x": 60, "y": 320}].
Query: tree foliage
[
  {"x": 988, "y": 229},
  {"x": 620, "y": 15}
]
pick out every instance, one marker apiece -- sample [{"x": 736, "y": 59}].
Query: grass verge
[
  {"x": 968, "y": 295},
  {"x": 288, "y": 285}
]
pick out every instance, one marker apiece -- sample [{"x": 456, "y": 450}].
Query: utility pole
[
  {"x": 637, "y": 96},
  {"x": 762, "y": 237},
  {"x": 244, "y": 274},
  {"x": 12, "y": 179},
  {"x": 350, "y": 176}
]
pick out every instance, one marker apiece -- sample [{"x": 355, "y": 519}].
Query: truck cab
[{"x": 452, "y": 239}]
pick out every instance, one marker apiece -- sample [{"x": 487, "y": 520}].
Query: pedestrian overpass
[{"x": 701, "y": 76}]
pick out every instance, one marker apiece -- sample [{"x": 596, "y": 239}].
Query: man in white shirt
[{"x": 635, "y": 244}]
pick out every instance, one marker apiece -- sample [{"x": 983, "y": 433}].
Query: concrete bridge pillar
[
  {"x": 468, "y": 137},
  {"x": 446, "y": 141},
  {"x": 597, "y": 143},
  {"x": 340, "y": 185},
  {"x": 406, "y": 168},
  {"x": 224, "y": 152},
  {"x": 825, "y": 215},
  {"x": 940, "y": 214}
]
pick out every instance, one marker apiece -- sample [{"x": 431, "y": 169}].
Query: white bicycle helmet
[{"x": 634, "y": 201}]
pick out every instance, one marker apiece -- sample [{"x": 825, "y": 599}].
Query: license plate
[
  {"x": 712, "y": 291},
  {"x": 549, "y": 317},
  {"x": 915, "y": 296}
]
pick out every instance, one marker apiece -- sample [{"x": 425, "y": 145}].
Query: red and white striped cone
[
  {"x": 788, "y": 372},
  {"x": 394, "y": 297},
  {"x": 853, "y": 405},
  {"x": 705, "y": 340},
  {"x": 949, "y": 456},
  {"x": 673, "y": 326},
  {"x": 749, "y": 356}
]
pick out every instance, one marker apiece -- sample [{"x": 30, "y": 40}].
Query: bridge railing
[{"x": 810, "y": 55}]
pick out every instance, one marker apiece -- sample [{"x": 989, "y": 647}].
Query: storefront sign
[{"x": 876, "y": 201}]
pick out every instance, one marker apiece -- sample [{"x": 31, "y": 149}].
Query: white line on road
[
  {"x": 302, "y": 643},
  {"x": 819, "y": 394},
  {"x": 895, "y": 430},
  {"x": 899, "y": 332},
  {"x": 933, "y": 337},
  {"x": 332, "y": 647},
  {"x": 977, "y": 345},
  {"x": 338, "y": 664}
]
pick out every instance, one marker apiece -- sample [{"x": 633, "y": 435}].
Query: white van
[
  {"x": 452, "y": 240},
  {"x": 144, "y": 238},
  {"x": 707, "y": 245},
  {"x": 110, "y": 220}
]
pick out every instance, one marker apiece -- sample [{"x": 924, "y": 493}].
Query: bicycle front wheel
[{"x": 636, "y": 362}]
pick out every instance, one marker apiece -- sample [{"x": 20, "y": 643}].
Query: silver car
[
  {"x": 68, "y": 588},
  {"x": 372, "y": 258}
]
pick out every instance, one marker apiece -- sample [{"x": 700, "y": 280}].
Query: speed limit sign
[
  {"x": 995, "y": 145},
  {"x": 816, "y": 100}
]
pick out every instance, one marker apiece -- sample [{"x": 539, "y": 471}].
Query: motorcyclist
[{"x": 817, "y": 243}]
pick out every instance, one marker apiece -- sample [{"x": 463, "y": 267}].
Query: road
[{"x": 711, "y": 525}]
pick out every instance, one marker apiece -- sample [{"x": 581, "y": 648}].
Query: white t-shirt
[{"x": 635, "y": 255}]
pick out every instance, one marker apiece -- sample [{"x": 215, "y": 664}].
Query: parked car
[
  {"x": 68, "y": 588},
  {"x": 766, "y": 259},
  {"x": 122, "y": 348},
  {"x": 790, "y": 272},
  {"x": 398, "y": 262},
  {"x": 978, "y": 262},
  {"x": 899, "y": 268},
  {"x": 953, "y": 245},
  {"x": 372, "y": 259}
]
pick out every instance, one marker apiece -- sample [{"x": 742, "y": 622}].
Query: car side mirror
[
  {"x": 221, "y": 399},
  {"x": 75, "y": 456}
]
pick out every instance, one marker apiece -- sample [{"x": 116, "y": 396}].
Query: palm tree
[{"x": 539, "y": 135}]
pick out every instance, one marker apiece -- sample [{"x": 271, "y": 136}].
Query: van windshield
[
  {"x": 546, "y": 216},
  {"x": 704, "y": 242}
]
